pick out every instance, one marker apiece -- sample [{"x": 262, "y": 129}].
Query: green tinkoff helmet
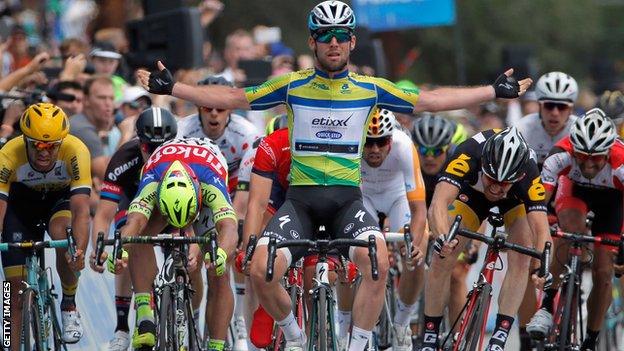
[{"x": 179, "y": 195}]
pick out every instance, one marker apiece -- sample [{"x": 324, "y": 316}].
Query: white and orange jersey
[
  {"x": 389, "y": 187},
  {"x": 399, "y": 174}
]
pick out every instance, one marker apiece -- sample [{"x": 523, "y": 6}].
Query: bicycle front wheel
[
  {"x": 568, "y": 320},
  {"x": 166, "y": 336},
  {"x": 31, "y": 322},
  {"x": 322, "y": 320},
  {"x": 475, "y": 320}
]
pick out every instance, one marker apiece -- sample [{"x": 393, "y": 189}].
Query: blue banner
[{"x": 387, "y": 15}]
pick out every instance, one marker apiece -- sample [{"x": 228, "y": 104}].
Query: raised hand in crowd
[{"x": 74, "y": 66}]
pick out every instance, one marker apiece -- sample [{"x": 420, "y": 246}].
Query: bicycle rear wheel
[
  {"x": 31, "y": 322},
  {"x": 474, "y": 316}
]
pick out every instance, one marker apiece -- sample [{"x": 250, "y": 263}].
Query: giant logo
[{"x": 328, "y": 134}]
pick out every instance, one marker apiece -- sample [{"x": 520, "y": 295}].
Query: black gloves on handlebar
[
  {"x": 161, "y": 82},
  {"x": 504, "y": 87}
]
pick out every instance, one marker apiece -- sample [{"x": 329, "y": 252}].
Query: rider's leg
[
  {"x": 69, "y": 280},
  {"x": 514, "y": 284},
  {"x": 272, "y": 295},
  {"x": 601, "y": 294},
  {"x": 123, "y": 298},
  {"x": 219, "y": 306},
  {"x": 459, "y": 290},
  {"x": 437, "y": 283},
  {"x": 369, "y": 297},
  {"x": 345, "y": 292},
  {"x": 143, "y": 270}
]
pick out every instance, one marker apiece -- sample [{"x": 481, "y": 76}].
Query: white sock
[
  {"x": 403, "y": 312},
  {"x": 359, "y": 338},
  {"x": 290, "y": 328},
  {"x": 344, "y": 322},
  {"x": 239, "y": 307}
]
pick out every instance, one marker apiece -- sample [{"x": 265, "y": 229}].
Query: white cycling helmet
[
  {"x": 331, "y": 14},
  {"x": 382, "y": 124},
  {"x": 594, "y": 133},
  {"x": 556, "y": 86}
]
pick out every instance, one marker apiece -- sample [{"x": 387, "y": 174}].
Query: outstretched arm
[
  {"x": 217, "y": 96},
  {"x": 444, "y": 99}
]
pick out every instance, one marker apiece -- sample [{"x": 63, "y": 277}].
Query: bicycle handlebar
[
  {"x": 35, "y": 245},
  {"x": 322, "y": 247},
  {"x": 581, "y": 238},
  {"x": 500, "y": 242},
  {"x": 159, "y": 239}
]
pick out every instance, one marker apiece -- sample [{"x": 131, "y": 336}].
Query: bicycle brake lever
[
  {"x": 544, "y": 271},
  {"x": 99, "y": 248},
  {"x": 249, "y": 251},
  {"x": 409, "y": 247},
  {"x": 372, "y": 255},
  {"x": 71, "y": 243}
]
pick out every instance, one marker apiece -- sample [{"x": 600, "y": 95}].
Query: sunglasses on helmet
[
  {"x": 432, "y": 151},
  {"x": 380, "y": 142},
  {"x": 43, "y": 145},
  {"x": 325, "y": 36}
]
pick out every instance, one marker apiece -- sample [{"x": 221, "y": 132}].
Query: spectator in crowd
[
  {"x": 93, "y": 125},
  {"x": 105, "y": 60},
  {"x": 135, "y": 100},
  {"x": 18, "y": 47},
  {"x": 61, "y": 93},
  {"x": 239, "y": 45}
]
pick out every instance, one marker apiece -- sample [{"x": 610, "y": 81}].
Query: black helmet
[
  {"x": 156, "y": 125},
  {"x": 504, "y": 155},
  {"x": 433, "y": 131},
  {"x": 612, "y": 103},
  {"x": 215, "y": 80}
]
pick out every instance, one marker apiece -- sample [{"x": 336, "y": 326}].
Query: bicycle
[
  {"x": 39, "y": 318},
  {"x": 471, "y": 330},
  {"x": 322, "y": 333},
  {"x": 567, "y": 331},
  {"x": 172, "y": 292}
]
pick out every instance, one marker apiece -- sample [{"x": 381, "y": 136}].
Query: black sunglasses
[
  {"x": 380, "y": 142},
  {"x": 555, "y": 105}
]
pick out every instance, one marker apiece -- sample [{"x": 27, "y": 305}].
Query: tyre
[
  {"x": 166, "y": 337},
  {"x": 569, "y": 310},
  {"x": 475, "y": 321},
  {"x": 322, "y": 320},
  {"x": 31, "y": 322}
]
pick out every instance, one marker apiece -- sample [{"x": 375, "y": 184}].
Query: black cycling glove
[
  {"x": 161, "y": 82},
  {"x": 505, "y": 87}
]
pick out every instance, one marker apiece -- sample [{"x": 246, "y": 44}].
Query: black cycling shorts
[
  {"x": 27, "y": 217},
  {"x": 339, "y": 208}
]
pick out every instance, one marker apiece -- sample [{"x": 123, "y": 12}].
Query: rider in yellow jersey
[{"x": 45, "y": 182}]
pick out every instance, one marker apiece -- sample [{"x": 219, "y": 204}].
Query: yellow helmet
[{"x": 44, "y": 122}]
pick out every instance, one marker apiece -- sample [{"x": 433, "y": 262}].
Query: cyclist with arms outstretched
[{"x": 329, "y": 109}]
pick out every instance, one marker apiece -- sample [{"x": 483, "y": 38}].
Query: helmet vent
[
  {"x": 56, "y": 111},
  {"x": 38, "y": 111}
]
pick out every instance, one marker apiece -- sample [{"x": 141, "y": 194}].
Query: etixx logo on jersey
[{"x": 331, "y": 122}]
